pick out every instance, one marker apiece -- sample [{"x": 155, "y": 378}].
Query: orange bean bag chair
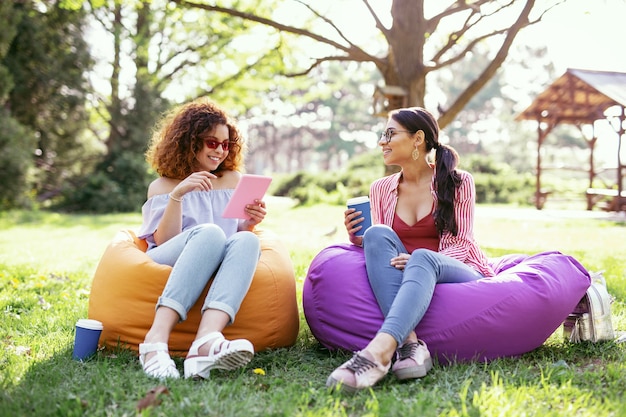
[{"x": 127, "y": 284}]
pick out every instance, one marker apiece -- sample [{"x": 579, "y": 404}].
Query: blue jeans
[
  {"x": 404, "y": 295},
  {"x": 195, "y": 255}
]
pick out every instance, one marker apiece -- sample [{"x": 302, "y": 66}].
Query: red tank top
[{"x": 422, "y": 234}]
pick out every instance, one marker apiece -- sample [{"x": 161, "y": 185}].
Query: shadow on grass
[
  {"x": 291, "y": 381},
  {"x": 112, "y": 383},
  {"x": 61, "y": 386},
  {"x": 45, "y": 218}
]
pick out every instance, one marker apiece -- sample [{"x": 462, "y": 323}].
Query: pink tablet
[{"x": 250, "y": 188}]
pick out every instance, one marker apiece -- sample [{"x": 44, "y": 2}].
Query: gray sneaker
[
  {"x": 413, "y": 361},
  {"x": 360, "y": 372}
]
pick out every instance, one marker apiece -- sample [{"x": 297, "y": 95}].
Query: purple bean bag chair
[{"x": 506, "y": 315}]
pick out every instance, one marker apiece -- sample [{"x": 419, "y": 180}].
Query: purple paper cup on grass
[
  {"x": 362, "y": 204},
  {"x": 86, "y": 340}
]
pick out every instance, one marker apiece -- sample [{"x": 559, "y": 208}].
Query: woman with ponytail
[{"x": 422, "y": 235}]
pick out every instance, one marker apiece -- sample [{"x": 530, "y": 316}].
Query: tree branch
[
  {"x": 235, "y": 76},
  {"x": 462, "y": 100},
  {"x": 470, "y": 22},
  {"x": 262, "y": 20},
  {"x": 470, "y": 46},
  {"x": 379, "y": 24},
  {"x": 319, "y": 61},
  {"x": 328, "y": 22},
  {"x": 352, "y": 50},
  {"x": 457, "y": 7}
]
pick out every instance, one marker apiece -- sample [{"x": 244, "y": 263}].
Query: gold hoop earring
[{"x": 415, "y": 154}]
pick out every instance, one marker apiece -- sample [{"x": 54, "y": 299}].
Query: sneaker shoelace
[
  {"x": 406, "y": 351},
  {"x": 359, "y": 364}
]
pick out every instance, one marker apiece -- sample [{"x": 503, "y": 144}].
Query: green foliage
[
  {"x": 197, "y": 52},
  {"x": 504, "y": 188},
  {"x": 10, "y": 17},
  {"x": 117, "y": 186},
  {"x": 120, "y": 181},
  {"x": 371, "y": 161},
  {"x": 498, "y": 183},
  {"x": 15, "y": 162},
  {"x": 15, "y": 139},
  {"x": 495, "y": 182},
  {"x": 331, "y": 187},
  {"x": 477, "y": 164},
  {"x": 45, "y": 64},
  {"x": 99, "y": 168},
  {"x": 307, "y": 188}
]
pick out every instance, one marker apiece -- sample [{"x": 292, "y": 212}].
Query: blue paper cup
[
  {"x": 86, "y": 339},
  {"x": 362, "y": 204}
]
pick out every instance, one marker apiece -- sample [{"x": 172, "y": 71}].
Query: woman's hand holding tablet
[{"x": 250, "y": 187}]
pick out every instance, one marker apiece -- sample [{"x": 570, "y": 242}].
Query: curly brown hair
[{"x": 179, "y": 136}]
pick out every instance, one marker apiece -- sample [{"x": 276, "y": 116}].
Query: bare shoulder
[
  {"x": 161, "y": 185},
  {"x": 229, "y": 179}
]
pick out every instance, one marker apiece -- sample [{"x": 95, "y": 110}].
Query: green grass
[{"x": 47, "y": 261}]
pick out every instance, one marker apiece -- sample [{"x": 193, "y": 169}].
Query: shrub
[
  {"x": 504, "y": 188},
  {"x": 120, "y": 186},
  {"x": 330, "y": 187},
  {"x": 495, "y": 182},
  {"x": 16, "y": 146}
]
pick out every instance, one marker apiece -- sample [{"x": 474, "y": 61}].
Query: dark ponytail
[{"x": 447, "y": 179}]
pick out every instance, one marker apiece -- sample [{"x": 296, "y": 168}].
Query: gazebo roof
[{"x": 578, "y": 97}]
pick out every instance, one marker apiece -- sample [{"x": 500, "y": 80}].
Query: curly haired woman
[{"x": 197, "y": 150}]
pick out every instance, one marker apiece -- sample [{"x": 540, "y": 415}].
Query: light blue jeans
[
  {"x": 195, "y": 255},
  {"x": 404, "y": 295}
]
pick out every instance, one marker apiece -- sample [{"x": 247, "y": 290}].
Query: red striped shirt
[{"x": 384, "y": 198}]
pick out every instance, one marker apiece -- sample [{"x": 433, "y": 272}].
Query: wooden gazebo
[{"x": 580, "y": 97}]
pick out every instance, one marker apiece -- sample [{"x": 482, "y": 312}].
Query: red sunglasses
[{"x": 213, "y": 144}]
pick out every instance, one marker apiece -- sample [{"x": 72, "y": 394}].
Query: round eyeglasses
[{"x": 387, "y": 134}]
